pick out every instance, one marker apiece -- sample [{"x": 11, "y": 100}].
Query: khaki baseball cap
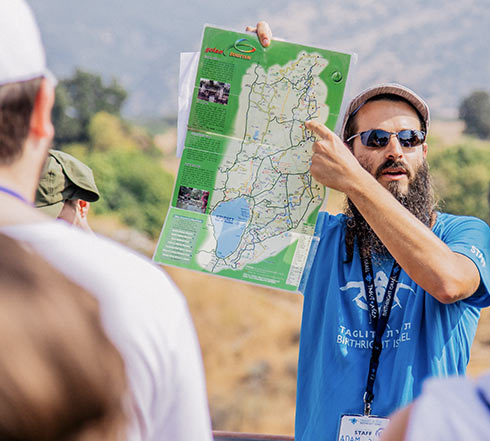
[
  {"x": 22, "y": 55},
  {"x": 64, "y": 178},
  {"x": 387, "y": 89}
]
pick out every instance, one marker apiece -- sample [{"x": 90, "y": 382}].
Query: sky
[{"x": 437, "y": 47}]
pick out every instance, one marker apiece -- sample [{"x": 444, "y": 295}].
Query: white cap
[{"x": 22, "y": 54}]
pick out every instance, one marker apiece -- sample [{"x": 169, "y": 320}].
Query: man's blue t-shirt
[{"x": 424, "y": 337}]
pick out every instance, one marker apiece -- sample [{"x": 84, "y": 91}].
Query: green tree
[
  {"x": 462, "y": 178},
  {"x": 78, "y": 99},
  {"x": 132, "y": 185},
  {"x": 475, "y": 112},
  {"x": 107, "y": 132},
  {"x": 125, "y": 161}
]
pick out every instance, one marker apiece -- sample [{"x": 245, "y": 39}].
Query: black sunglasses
[{"x": 381, "y": 138}]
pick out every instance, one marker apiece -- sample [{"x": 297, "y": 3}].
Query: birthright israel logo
[{"x": 357, "y": 290}]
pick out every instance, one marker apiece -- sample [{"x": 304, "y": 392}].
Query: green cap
[{"x": 63, "y": 178}]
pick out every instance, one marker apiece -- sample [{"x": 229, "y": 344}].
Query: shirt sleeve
[
  {"x": 449, "y": 409},
  {"x": 470, "y": 237}
]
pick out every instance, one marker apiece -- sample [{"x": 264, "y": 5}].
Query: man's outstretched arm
[{"x": 446, "y": 275}]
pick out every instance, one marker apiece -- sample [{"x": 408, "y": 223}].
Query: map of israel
[
  {"x": 244, "y": 204},
  {"x": 263, "y": 191}
]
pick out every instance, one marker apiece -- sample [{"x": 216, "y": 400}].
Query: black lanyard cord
[{"x": 379, "y": 320}]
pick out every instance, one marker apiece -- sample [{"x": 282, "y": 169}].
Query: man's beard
[{"x": 419, "y": 200}]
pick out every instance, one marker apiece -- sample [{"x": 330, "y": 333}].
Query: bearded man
[
  {"x": 362, "y": 353},
  {"x": 373, "y": 357}
]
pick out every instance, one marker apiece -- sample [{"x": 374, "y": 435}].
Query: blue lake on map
[{"x": 229, "y": 221}]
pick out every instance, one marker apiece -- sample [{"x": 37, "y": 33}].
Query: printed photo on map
[
  {"x": 213, "y": 91},
  {"x": 251, "y": 159},
  {"x": 192, "y": 199}
]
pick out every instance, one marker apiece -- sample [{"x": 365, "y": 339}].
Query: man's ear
[
  {"x": 82, "y": 208},
  {"x": 41, "y": 125},
  {"x": 425, "y": 148}
]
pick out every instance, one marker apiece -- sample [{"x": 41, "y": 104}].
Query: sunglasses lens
[
  {"x": 381, "y": 138},
  {"x": 375, "y": 138},
  {"x": 411, "y": 138}
]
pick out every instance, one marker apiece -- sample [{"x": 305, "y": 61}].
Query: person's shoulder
[
  {"x": 450, "y": 219},
  {"x": 451, "y": 382},
  {"x": 450, "y": 409},
  {"x": 447, "y": 222},
  {"x": 98, "y": 263},
  {"x": 327, "y": 222},
  {"x": 74, "y": 240},
  {"x": 456, "y": 389}
]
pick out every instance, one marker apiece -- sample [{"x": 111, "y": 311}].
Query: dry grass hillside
[{"x": 249, "y": 336}]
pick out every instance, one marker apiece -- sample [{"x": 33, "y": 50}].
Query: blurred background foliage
[
  {"x": 127, "y": 165},
  {"x": 474, "y": 110},
  {"x": 461, "y": 175},
  {"x": 78, "y": 99}
]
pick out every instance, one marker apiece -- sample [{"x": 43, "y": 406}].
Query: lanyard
[
  {"x": 14, "y": 194},
  {"x": 378, "y": 319}
]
